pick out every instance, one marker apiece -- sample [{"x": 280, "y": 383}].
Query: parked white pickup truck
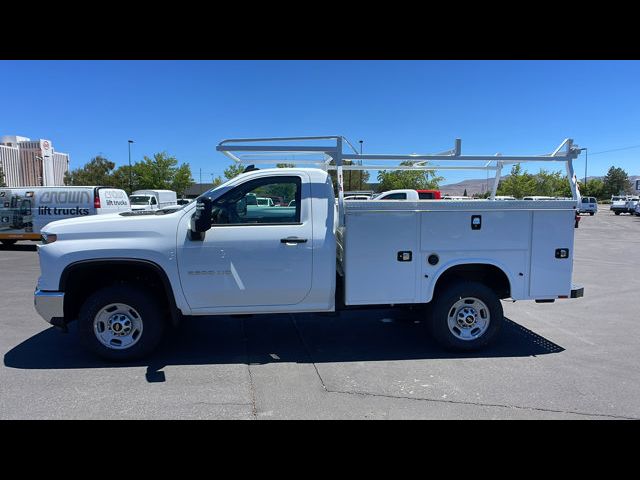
[
  {"x": 619, "y": 204},
  {"x": 124, "y": 277}
]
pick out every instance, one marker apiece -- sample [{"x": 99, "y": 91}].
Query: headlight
[{"x": 48, "y": 238}]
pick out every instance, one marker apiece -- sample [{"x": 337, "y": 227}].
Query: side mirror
[{"x": 201, "y": 220}]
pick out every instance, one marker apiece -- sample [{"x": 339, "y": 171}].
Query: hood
[{"x": 113, "y": 225}]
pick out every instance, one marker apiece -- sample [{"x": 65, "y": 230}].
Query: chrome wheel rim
[
  {"x": 468, "y": 318},
  {"x": 118, "y": 326}
]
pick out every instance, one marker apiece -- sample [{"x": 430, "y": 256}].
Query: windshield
[{"x": 139, "y": 199}]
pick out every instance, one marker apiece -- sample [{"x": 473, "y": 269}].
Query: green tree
[
  {"x": 551, "y": 184},
  {"x": 96, "y": 172},
  {"x": 517, "y": 184},
  {"x": 217, "y": 181},
  {"x": 616, "y": 181},
  {"x": 402, "y": 179},
  {"x": 120, "y": 178},
  {"x": 181, "y": 179},
  {"x": 2, "y": 184},
  {"x": 233, "y": 170},
  {"x": 352, "y": 180},
  {"x": 161, "y": 172},
  {"x": 594, "y": 188},
  {"x": 486, "y": 194}
]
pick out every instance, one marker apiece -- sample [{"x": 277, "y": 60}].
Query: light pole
[
  {"x": 360, "y": 183},
  {"x": 130, "y": 181}
]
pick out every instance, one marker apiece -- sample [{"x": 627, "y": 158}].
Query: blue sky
[{"x": 186, "y": 107}]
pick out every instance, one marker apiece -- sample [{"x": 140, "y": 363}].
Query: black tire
[
  {"x": 8, "y": 243},
  {"x": 591, "y": 213},
  {"x": 442, "y": 307},
  {"x": 617, "y": 213},
  {"x": 143, "y": 303}
]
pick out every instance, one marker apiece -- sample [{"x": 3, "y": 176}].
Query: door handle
[{"x": 293, "y": 240}]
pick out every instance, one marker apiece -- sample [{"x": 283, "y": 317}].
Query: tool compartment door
[
  {"x": 550, "y": 276},
  {"x": 373, "y": 272}
]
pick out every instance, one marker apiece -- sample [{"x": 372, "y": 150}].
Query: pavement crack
[
  {"x": 480, "y": 404},
  {"x": 306, "y": 348},
  {"x": 252, "y": 390}
]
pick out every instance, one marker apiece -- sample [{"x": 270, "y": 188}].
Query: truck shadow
[
  {"x": 19, "y": 247},
  {"x": 375, "y": 335}
]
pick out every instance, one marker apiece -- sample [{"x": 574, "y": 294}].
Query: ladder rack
[{"x": 331, "y": 157}]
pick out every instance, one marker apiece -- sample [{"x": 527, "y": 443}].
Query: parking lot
[{"x": 574, "y": 359}]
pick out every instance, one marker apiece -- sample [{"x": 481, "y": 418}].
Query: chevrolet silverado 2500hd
[{"x": 125, "y": 277}]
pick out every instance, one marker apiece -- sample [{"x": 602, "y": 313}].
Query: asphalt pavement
[{"x": 573, "y": 359}]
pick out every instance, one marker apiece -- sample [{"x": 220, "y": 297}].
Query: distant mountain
[{"x": 481, "y": 185}]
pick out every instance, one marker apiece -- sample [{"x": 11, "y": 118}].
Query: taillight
[{"x": 96, "y": 201}]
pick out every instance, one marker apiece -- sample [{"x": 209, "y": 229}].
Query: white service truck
[
  {"x": 619, "y": 204},
  {"x": 126, "y": 277},
  {"x": 152, "y": 199}
]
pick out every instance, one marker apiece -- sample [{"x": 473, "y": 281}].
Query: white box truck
[
  {"x": 152, "y": 199},
  {"x": 25, "y": 210},
  {"x": 126, "y": 277}
]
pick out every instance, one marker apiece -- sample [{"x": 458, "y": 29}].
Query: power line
[{"x": 616, "y": 150}]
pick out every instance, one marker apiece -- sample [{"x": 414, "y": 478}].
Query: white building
[{"x": 28, "y": 163}]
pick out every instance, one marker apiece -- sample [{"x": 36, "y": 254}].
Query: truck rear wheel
[
  {"x": 8, "y": 242},
  {"x": 121, "y": 323},
  {"x": 466, "y": 316}
]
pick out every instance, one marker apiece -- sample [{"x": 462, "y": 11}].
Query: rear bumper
[
  {"x": 49, "y": 305},
  {"x": 577, "y": 291}
]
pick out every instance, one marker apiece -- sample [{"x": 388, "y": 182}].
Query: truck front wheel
[
  {"x": 466, "y": 316},
  {"x": 121, "y": 323}
]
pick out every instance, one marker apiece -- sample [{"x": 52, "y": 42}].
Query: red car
[{"x": 429, "y": 194}]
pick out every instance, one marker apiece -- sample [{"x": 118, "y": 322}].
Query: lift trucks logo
[
  {"x": 115, "y": 198},
  {"x": 61, "y": 198}
]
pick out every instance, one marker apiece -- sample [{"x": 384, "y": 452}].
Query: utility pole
[
  {"x": 586, "y": 161},
  {"x": 360, "y": 183},
  {"x": 130, "y": 177}
]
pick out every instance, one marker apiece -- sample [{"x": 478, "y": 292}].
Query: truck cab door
[{"x": 253, "y": 255}]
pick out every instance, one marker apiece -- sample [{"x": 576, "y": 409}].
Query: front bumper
[{"x": 50, "y": 305}]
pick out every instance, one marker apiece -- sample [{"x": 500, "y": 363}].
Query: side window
[
  {"x": 153, "y": 201},
  {"x": 246, "y": 204},
  {"x": 396, "y": 196},
  {"x": 585, "y": 199},
  {"x": 425, "y": 195}
]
